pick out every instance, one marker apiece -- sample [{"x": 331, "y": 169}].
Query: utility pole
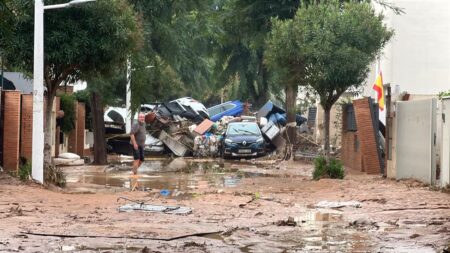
[
  {"x": 37, "y": 149},
  {"x": 128, "y": 98},
  {"x": 387, "y": 131}
]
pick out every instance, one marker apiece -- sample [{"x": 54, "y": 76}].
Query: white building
[{"x": 417, "y": 59}]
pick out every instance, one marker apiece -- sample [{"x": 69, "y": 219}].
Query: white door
[{"x": 416, "y": 140}]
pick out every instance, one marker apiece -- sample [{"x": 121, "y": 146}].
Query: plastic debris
[
  {"x": 155, "y": 208},
  {"x": 164, "y": 192},
  {"x": 338, "y": 204}
]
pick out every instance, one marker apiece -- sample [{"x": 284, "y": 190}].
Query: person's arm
[{"x": 133, "y": 139}]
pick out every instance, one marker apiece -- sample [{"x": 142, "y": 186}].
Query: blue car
[
  {"x": 243, "y": 139},
  {"x": 230, "y": 108}
]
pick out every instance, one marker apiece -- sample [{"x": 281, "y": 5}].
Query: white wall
[
  {"x": 418, "y": 56},
  {"x": 445, "y": 156}
]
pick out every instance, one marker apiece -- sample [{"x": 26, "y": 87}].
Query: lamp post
[{"x": 37, "y": 156}]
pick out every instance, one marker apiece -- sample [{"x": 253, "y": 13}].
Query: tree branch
[{"x": 388, "y": 5}]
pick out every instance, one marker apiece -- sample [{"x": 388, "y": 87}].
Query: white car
[{"x": 194, "y": 104}]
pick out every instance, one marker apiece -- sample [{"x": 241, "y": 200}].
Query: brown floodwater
[{"x": 162, "y": 174}]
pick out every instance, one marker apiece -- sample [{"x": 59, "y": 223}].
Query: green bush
[
  {"x": 320, "y": 164},
  {"x": 24, "y": 172},
  {"x": 334, "y": 168}
]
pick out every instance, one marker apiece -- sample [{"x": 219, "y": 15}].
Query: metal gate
[{"x": 416, "y": 140}]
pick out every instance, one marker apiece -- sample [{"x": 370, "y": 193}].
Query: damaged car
[
  {"x": 230, "y": 108},
  {"x": 243, "y": 139}
]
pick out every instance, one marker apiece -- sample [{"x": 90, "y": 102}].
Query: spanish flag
[{"x": 378, "y": 87}]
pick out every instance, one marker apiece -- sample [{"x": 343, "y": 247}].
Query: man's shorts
[{"x": 138, "y": 154}]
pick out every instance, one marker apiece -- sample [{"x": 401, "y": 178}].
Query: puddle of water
[
  {"x": 164, "y": 174},
  {"x": 316, "y": 231}
]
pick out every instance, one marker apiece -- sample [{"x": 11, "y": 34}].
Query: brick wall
[
  {"x": 351, "y": 150},
  {"x": 368, "y": 145},
  {"x": 76, "y": 136},
  {"x": 11, "y": 129},
  {"x": 26, "y": 126}
]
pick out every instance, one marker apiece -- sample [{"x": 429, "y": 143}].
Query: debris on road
[
  {"x": 142, "y": 206},
  {"x": 186, "y": 128},
  {"x": 68, "y": 159},
  {"x": 155, "y": 209},
  {"x": 338, "y": 204},
  {"x": 289, "y": 222}
]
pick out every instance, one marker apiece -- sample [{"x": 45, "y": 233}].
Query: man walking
[{"x": 137, "y": 136}]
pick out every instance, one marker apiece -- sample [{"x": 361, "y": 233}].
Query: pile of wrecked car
[{"x": 184, "y": 127}]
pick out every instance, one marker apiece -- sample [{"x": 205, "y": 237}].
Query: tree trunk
[
  {"x": 98, "y": 126},
  {"x": 263, "y": 88},
  {"x": 291, "y": 99},
  {"x": 48, "y": 131},
  {"x": 326, "y": 130}
]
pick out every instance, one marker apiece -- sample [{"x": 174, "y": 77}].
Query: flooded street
[
  {"x": 233, "y": 206},
  {"x": 175, "y": 176}
]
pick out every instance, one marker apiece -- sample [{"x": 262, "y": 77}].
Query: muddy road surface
[{"x": 235, "y": 206}]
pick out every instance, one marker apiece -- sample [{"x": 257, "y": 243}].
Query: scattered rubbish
[
  {"x": 178, "y": 148},
  {"x": 69, "y": 156},
  {"x": 289, "y": 222},
  {"x": 142, "y": 206},
  {"x": 68, "y": 248},
  {"x": 338, "y": 204},
  {"x": 204, "y": 127},
  {"x": 277, "y": 115},
  {"x": 155, "y": 208},
  {"x": 206, "y": 145},
  {"x": 200, "y": 234},
  {"x": 187, "y": 128},
  {"x": 164, "y": 192},
  {"x": 270, "y": 130},
  {"x": 153, "y": 145},
  {"x": 68, "y": 159},
  {"x": 377, "y": 200},
  {"x": 363, "y": 223}
]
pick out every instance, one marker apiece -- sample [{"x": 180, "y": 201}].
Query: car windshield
[{"x": 243, "y": 129}]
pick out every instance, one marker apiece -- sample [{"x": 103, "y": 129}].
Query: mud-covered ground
[{"x": 236, "y": 207}]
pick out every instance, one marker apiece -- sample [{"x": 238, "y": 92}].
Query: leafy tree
[
  {"x": 6, "y": 20},
  {"x": 79, "y": 42},
  {"x": 327, "y": 46},
  {"x": 239, "y": 44},
  {"x": 67, "y": 105},
  {"x": 176, "y": 45}
]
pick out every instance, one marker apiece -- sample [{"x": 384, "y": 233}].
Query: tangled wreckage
[{"x": 184, "y": 127}]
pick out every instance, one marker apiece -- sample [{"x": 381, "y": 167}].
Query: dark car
[{"x": 243, "y": 139}]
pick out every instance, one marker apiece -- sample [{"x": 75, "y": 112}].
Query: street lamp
[
  {"x": 37, "y": 157},
  {"x": 128, "y": 119}
]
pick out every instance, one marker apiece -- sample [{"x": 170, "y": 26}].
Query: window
[
  {"x": 243, "y": 129},
  {"x": 349, "y": 121},
  {"x": 214, "y": 110},
  {"x": 229, "y": 106}
]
